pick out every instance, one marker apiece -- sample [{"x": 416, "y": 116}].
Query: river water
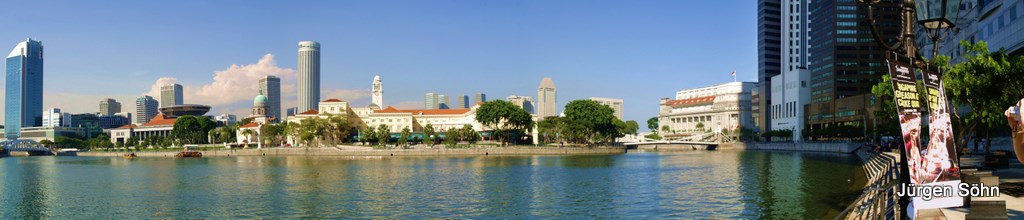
[{"x": 696, "y": 184}]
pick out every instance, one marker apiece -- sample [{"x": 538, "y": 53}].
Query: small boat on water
[
  {"x": 129, "y": 156},
  {"x": 67, "y": 152},
  {"x": 189, "y": 151}
]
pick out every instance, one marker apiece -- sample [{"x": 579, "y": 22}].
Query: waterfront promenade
[{"x": 368, "y": 151}]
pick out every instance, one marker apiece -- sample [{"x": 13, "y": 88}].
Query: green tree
[
  {"x": 46, "y": 143},
  {"x": 597, "y": 121},
  {"x": 428, "y": 135},
  {"x": 549, "y": 129},
  {"x": 653, "y": 136},
  {"x": 665, "y": 128},
  {"x": 652, "y": 123},
  {"x": 338, "y": 128},
  {"x": 700, "y": 126},
  {"x": 275, "y": 133},
  {"x": 504, "y": 118},
  {"x": 133, "y": 141},
  {"x": 632, "y": 127},
  {"x": 191, "y": 129},
  {"x": 469, "y": 134},
  {"x": 986, "y": 83},
  {"x": 310, "y": 131},
  {"x": 404, "y": 138},
  {"x": 383, "y": 135}
]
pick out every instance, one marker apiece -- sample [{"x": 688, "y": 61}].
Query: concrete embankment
[
  {"x": 827, "y": 147},
  {"x": 330, "y": 151}
]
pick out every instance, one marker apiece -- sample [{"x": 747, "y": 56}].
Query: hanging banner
[
  {"x": 938, "y": 165},
  {"x": 932, "y": 171}
]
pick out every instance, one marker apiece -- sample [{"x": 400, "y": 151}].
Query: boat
[
  {"x": 129, "y": 156},
  {"x": 189, "y": 151},
  {"x": 67, "y": 152}
]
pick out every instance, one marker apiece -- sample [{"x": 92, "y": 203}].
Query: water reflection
[{"x": 699, "y": 184}]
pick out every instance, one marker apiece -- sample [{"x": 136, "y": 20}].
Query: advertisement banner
[
  {"x": 927, "y": 167},
  {"x": 938, "y": 165}
]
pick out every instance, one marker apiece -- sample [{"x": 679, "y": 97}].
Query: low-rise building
[
  {"x": 396, "y": 119},
  {"x": 713, "y": 108}
]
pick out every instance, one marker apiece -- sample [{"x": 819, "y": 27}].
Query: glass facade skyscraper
[
  {"x": 270, "y": 86},
  {"x": 309, "y": 75},
  {"x": 23, "y": 106}
]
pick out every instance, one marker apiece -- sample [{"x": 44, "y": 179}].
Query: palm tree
[
  {"x": 213, "y": 136},
  {"x": 248, "y": 136}
]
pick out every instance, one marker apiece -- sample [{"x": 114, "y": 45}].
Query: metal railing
[{"x": 879, "y": 199}]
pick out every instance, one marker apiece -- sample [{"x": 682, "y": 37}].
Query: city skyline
[{"x": 661, "y": 56}]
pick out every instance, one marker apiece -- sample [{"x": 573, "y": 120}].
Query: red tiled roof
[
  {"x": 250, "y": 125},
  {"x": 127, "y": 126},
  {"x": 160, "y": 120},
  {"x": 391, "y": 109},
  {"x": 333, "y": 100},
  {"x": 691, "y": 101},
  {"x": 310, "y": 112}
]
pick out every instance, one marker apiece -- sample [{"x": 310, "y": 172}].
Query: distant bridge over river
[{"x": 672, "y": 145}]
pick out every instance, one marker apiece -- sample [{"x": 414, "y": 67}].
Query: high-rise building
[
  {"x": 462, "y": 101},
  {"x": 23, "y": 106},
  {"x": 769, "y": 49},
  {"x": 171, "y": 95},
  {"x": 430, "y": 101},
  {"x": 145, "y": 109},
  {"x": 546, "y": 105},
  {"x": 478, "y": 98},
  {"x": 109, "y": 106},
  {"x": 309, "y": 75},
  {"x": 292, "y": 111},
  {"x": 55, "y": 118},
  {"x": 845, "y": 61},
  {"x": 378, "y": 92},
  {"x": 789, "y": 90},
  {"x": 615, "y": 104},
  {"x": 524, "y": 102},
  {"x": 270, "y": 87},
  {"x": 998, "y": 23},
  {"x": 443, "y": 101},
  {"x": 116, "y": 120},
  {"x": 225, "y": 119}
]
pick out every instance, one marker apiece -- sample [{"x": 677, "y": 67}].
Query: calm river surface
[{"x": 698, "y": 184}]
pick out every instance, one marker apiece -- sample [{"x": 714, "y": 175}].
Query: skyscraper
[
  {"x": 478, "y": 98},
  {"x": 23, "y": 106},
  {"x": 769, "y": 47},
  {"x": 615, "y": 104},
  {"x": 309, "y": 75},
  {"x": 443, "y": 101},
  {"x": 109, "y": 106},
  {"x": 145, "y": 109},
  {"x": 55, "y": 118},
  {"x": 845, "y": 61},
  {"x": 171, "y": 95},
  {"x": 462, "y": 101},
  {"x": 546, "y": 98},
  {"x": 378, "y": 92},
  {"x": 430, "y": 101},
  {"x": 270, "y": 87}
]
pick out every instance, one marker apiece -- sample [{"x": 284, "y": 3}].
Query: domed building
[{"x": 259, "y": 118}]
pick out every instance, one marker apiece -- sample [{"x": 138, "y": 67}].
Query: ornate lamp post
[{"x": 935, "y": 16}]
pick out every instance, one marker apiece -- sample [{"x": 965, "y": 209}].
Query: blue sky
[{"x": 638, "y": 51}]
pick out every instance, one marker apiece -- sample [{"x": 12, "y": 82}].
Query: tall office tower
[
  {"x": 109, "y": 106},
  {"x": 430, "y": 101},
  {"x": 171, "y": 95},
  {"x": 478, "y": 98},
  {"x": 769, "y": 48},
  {"x": 145, "y": 109},
  {"x": 309, "y": 75},
  {"x": 443, "y": 101},
  {"x": 524, "y": 102},
  {"x": 615, "y": 104},
  {"x": 845, "y": 62},
  {"x": 270, "y": 87},
  {"x": 546, "y": 98},
  {"x": 789, "y": 90},
  {"x": 462, "y": 101},
  {"x": 23, "y": 106},
  {"x": 378, "y": 92}
]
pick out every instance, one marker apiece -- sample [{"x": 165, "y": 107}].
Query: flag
[{"x": 734, "y": 73}]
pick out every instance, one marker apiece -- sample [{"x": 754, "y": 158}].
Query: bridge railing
[{"x": 879, "y": 199}]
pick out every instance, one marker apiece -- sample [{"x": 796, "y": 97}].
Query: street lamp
[{"x": 935, "y": 16}]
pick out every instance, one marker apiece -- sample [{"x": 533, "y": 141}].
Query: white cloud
[{"x": 232, "y": 88}]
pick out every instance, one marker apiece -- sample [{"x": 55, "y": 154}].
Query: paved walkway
[{"x": 1011, "y": 180}]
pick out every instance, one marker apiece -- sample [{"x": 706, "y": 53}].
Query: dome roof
[{"x": 259, "y": 100}]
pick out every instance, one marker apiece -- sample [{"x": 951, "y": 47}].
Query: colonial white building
[
  {"x": 396, "y": 119},
  {"x": 695, "y": 111}
]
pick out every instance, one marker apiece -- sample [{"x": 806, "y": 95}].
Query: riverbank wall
[
  {"x": 332, "y": 151},
  {"x": 825, "y": 147}
]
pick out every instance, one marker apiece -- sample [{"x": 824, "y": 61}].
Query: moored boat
[
  {"x": 129, "y": 156},
  {"x": 189, "y": 151}
]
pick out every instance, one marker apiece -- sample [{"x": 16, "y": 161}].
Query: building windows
[{"x": 846, "y": 23}]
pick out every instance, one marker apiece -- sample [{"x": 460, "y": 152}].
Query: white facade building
[
  {"x": 309, "y": 75},
  {"x": 710, "y": 109},
  {"x": 789, "y": 95},
  {"x": 55, "y": 118},
  {"x": 524, "y": 102},
  {"x": 378, "y": 91}
]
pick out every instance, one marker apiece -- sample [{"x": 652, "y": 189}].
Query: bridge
[
  {"x": 29, "y": 146},
  {"x": 672, "y": 145}
]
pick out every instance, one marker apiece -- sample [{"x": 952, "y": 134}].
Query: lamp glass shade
[{"x": 933, "y": 14}]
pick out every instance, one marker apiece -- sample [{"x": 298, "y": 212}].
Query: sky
[{"x": 638, "y": 51}]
